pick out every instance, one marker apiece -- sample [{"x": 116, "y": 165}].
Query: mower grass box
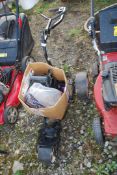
[{"x": 54, "y": 112}]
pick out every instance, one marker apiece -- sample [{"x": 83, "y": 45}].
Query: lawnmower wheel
[
  {"x": 95, "y": 70},
  {"x": 10, "y": 115},
  {"x": 98, "y": 131},
  {"x": 46, "y": 154},
  {"x": 81, "y": 85},
  {"x": 25, "y": 61}
]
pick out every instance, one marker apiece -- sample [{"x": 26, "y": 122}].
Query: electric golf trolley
[
  {"x": 36, "y": 100},
  {"x": 102, "y": 27},
  {"x": 16, "y": 44}
]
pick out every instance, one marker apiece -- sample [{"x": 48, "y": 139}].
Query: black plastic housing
[
  {"x": 107, "y": 23},
  {"x": 109, "y": 85},
  {"x": 9, "y": 46}
]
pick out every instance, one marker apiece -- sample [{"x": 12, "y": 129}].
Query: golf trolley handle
[
  {"x": 45, "y": 79},
  {"x": 60, "y": 12},
  {"x": 38, "y": 78}
]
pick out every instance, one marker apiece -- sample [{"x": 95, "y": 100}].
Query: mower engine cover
[
  {"x": 108, "y": 29},
  {"x": 109, "y": 86}
]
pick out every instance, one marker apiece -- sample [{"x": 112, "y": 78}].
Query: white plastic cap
[{"x": 28, "y": 4}]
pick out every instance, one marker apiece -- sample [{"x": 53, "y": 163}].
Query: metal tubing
[{"x": 92, "y": 8}]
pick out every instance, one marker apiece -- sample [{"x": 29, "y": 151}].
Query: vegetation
[
  {"x": 19, "y": 172},
  {"x": 106, "y": 168}
]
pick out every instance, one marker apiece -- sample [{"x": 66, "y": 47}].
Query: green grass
[
  {"x": 42, "y": 7},
  {"x": 74, "y": 32},
  {"x": 99, "y": 4},
  {"x": 19, "y": 172}
]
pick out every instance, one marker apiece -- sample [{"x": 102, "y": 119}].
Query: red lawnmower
[
  {"x": 16, "y": 43},
  {"x": 102, "y": 27}
]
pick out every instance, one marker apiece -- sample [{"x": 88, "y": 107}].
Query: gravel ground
[{"x": 79, "y": 154}]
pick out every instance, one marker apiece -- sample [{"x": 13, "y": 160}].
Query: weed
[
  {"x": 19, "y": 172},
  {"x": 90, "y": 131},
  {"x": 106, "y": 168},
  {"x": 66, "y": 68}
]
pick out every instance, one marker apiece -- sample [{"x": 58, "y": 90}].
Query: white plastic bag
[
  {"x": 26, "y": 82},
  {"x": 45, "y": 96},
  {"x": 28, "y": 4}
]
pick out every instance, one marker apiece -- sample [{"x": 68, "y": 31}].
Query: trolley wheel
[
  {"x": 25, "y": 61},
  {"x": 46, "y": 154},
  {"x": 97, "y": 129},
  {"x": 10, "y": 115},
  {"x": 81, "y": 85},
  {"x": 95, "y": 70}
]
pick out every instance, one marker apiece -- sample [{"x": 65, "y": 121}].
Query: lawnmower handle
[
  {"x": 7, "y": 14},
  {"x": 92, "y": 8}
]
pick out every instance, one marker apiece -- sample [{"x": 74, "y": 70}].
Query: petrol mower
[
  {"x": 16, "y": 44},
  {"x": 102, "y": 27}
]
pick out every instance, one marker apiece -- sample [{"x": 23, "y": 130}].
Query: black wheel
[
  {"x": 10, "y": 115},
  {"x": 98, "y": 131},
  {"x": 95, "y": 70},
  {"x": 81, "y": 85},
  {"x": 46, "y": 154},
  {"x": 25, "y": 61}
]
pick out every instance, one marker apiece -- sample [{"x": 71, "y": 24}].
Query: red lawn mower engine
[
  {"x": 109, "y": 85},
  {"x": 108, "y": 43}
]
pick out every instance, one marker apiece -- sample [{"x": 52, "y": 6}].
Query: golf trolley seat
[{"x": 107, "y": 19}]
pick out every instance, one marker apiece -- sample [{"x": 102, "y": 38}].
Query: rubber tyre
[
  {"x": 25, "y": 61},
  {"x": 98, "y": 131},
  {"x": 46, "y": 154},
  {"x": 10, "y": 115},
  {"x": 81, "y": 85}
]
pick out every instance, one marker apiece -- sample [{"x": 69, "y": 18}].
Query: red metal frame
[
  {"x": 12, "y": 99},
  {"x": 109, "y": 118}
]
